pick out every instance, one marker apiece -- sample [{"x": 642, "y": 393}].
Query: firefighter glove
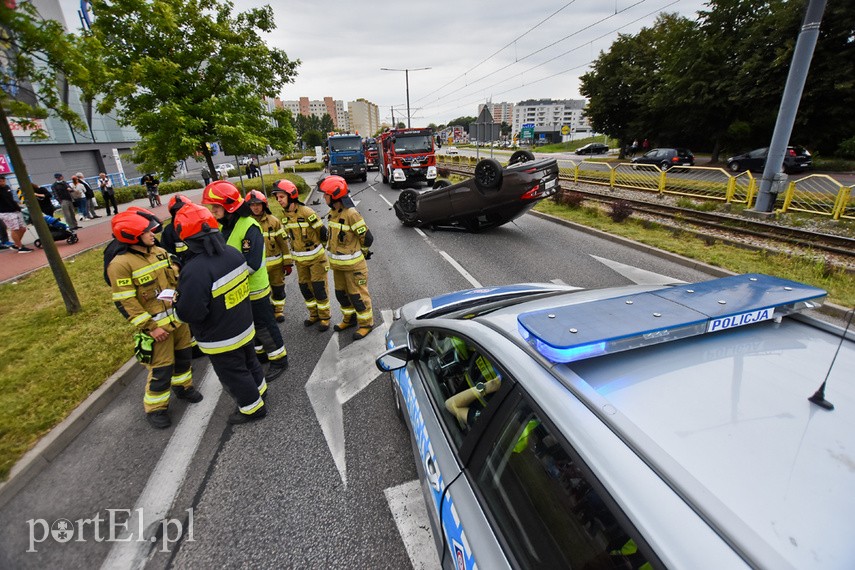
[
  {"x": 143, "y": 347},
  {"x": 367, "y": 253},
  {"x": 288, "y": 269}
]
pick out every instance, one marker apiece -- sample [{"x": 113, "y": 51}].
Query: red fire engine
[{"x": 407, "y": 157}]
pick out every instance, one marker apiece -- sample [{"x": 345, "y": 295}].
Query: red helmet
[
  {"x": 333, "y": 186},
  {"x": 256, "y": 197},
  {"x": 222, "y": 193},
  {"x": 286, "y": 187},
  {"x": 176, "y": 202},
  {"x": 131, "y": 224},
  {"x": 194, "y": 219}
]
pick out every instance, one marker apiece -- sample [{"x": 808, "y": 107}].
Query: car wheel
[
  {"x": 409, "y": 201},
  {"x": 734, "y": 166},
  {"x": 365, "y": 177},
  {"x": 488, "y": 174},
  {"x": 664, "y": 166},
  {"x": 441, "y": 183},
  {"x": 521, "y": 156}
]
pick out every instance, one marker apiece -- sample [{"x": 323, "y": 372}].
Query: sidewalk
[{"x": 92, "y": 234}]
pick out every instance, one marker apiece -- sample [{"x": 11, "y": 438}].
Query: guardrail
[{"x": 814, "y": 194}]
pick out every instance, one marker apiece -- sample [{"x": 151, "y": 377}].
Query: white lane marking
[
  {"x": 558, "y": 282},
  {"x": 339, "y": 375},
  {"x": 385, "y": 200},
  {"x": 637, "y": 275},
  {"x": 408, "y": 509},
  {"x": 165, "y": 481},
  {"x": 466, "y": 275}
]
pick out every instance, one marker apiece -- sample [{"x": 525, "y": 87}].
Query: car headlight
[
  {"x": 398, "y": 175},
  {"x": 431, "y": 172}
]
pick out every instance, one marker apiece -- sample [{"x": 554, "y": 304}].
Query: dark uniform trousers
[
  {"x": 231, "y": 369},
  {"x": 268, "y": 336}
]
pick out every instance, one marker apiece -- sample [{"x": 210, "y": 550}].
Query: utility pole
[
  {"x": 407, "y": 79},
  {"x": 796, "y": 78}
]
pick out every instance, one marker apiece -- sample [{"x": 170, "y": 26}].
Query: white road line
[
  {"x": 408, "y": 509},
  {"x": 385, "y": 200},
  {"x": 466, "y": 275},
  {"x": 162, "y": 487},
  {"x": 636, "y": 274}
]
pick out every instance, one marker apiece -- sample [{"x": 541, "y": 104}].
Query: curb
[
  {"x": 830, "y": 309},
  {"x": 58, "y": 438}
]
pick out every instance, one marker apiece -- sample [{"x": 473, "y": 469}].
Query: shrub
[
  {"x": 443, "y": 172},
  {"x": 620, "y": 211},
  {"x": 572, "y": 199}
]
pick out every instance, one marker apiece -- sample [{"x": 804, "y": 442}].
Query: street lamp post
[{"x": 407, "y": 78}]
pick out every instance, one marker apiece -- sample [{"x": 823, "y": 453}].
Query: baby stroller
[{"x": 59, "y": 230}]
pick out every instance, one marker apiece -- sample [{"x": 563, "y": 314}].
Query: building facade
[
  {"x": 550, "y": 117},
  {"x": 502, "y": 112},
  {"x": 318, "y": 108},
  {"x": 364, "y": 117}
]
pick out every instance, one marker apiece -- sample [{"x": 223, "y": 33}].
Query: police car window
[
  {"x": 545, "y": 506},
  {"x": 461, "y": 379}
]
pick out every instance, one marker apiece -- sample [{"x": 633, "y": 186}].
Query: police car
[{"x": 705, "y": 425}]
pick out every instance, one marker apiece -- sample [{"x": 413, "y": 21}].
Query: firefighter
[
  {"x": 348, "y": 251},
  {"x": 213, "y": 296},
  {"x": 243, "y": 233},
  {"x": 307, "y": 235},
  {"x": 278, "y": 253},
  {"x": 138, "y": 271},
  {"x": 169, "y": 239}
]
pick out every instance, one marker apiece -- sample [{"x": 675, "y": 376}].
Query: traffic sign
[
  {"x": 565, "y": 130},
  {"x": 5, "y": 164}
]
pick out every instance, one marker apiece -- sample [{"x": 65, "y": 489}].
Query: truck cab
[
  {"x": 346, "y": 157},
  {"x": 407, "y": 157},
  {"x": 372, "y": 153}
]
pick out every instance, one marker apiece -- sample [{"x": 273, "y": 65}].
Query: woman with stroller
[{"x": 91, "y": 203}]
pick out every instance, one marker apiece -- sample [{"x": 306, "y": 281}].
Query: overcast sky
[{"x": 504, "y": 50}]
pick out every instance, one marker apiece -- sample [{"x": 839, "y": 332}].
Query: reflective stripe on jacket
[
  {"x": 137, "y": 277},
  {"x": 259, "y": 283}
]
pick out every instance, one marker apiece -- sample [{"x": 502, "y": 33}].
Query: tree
[
  {"x": 400, "y": 125},
  {"x": 313, "y": 138},
  {"x": 185, "y": 73},
  {"x": 282, "y": 134},
  {"x": 38, "y": 52},
  {"x": 327, "y": 125},
  {"x": 462, "y": 122}
]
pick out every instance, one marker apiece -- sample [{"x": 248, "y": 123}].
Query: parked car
[
  {"x": 494, "y": 196},
  {"x": 307, "y": 159},
  {"x": 666, "y": 158},
  {"x": 224, "y": 167},
  {"x": 451, "y": 150},
  {"x": 632, "y": 427},
  {"x": 593, "y": 148},
  {"x": 796, "y": 159}
]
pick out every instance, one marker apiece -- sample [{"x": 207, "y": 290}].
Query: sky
[{"x": 502, "y": 50}]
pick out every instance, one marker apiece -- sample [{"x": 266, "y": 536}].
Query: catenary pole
[
  {"x": 407, "y": 81},
  {"x": 796, "y": 78}
]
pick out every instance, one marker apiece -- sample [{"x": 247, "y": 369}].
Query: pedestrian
[
  {"x": 108, "y": 193},
  {"x": 169, "y": 239},
  {"x": 206, "y": 175},
  {"x": 213, "y": 297},
  {"x": 13, "y": 219},
  {"x": 152, "y": 187},
  {"x": 43, "y": 195},
  {"x": 91, "y": 202},
  {"x": 307, "y": 234},
  {"x": 78, "y": 192},
  {"x": 254, "y": 168},
  {"x": 4, "y": 237},
  {"x": 278, "y": 163},
  {"x": 248, "y": 171},
  {"x": 277, "y": 252},
  {"x": 634, "y": 147},
  {"x": 347, "y": 249},
  {"x": 62, "y": 190},
  {"x": 243, "y": 233},
  {"x": 141, "y": 276},
  {"x": 645, "y": 145}
]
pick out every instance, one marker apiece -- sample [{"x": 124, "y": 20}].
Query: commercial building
[{"x": 364, "y": 117}]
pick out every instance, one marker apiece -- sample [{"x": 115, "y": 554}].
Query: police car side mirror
[{"x": 393, "y": 359}]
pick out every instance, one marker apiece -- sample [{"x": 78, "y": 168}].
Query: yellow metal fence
[{"x": 815, "y": 194}]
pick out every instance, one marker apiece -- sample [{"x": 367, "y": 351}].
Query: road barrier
[{"x": 814, "y": 194}]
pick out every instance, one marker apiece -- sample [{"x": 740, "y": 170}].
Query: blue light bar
[{"x": 605, "y": 326}]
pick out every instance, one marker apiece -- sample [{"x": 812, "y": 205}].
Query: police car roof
[{"x": 725, "y": 420}]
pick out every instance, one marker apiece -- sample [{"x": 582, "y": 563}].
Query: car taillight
[
  {"x": 531, "y": 194},
  {"x": 791, "y": 152},
  {"x": 675, "y": 159}
]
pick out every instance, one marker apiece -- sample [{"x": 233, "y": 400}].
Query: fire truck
[
  {"x": 372, "y": 154},
  {"x": 407, "y": 157},
  {"x": 346, "y": 156}
]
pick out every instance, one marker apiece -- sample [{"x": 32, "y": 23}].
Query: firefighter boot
[
  {"x": 190, "y": 394},
  {"x": 240, "y": 418},
  {"x": 159, "y": 419},
  {"x": 311, "y": 320},
  {"x": 278, "y": 313},
  {"x": 344, "y": 325},
  {"x": 276, "y": 369},
  {"x": 323, "y": 325},
  {"x": 362, "y": 332}
]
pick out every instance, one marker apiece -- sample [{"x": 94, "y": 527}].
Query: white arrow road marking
[
  {"x": 636, "y": 275},
  {"x": 165, "y": 481},
  {"x": 408, "y": 509},
  {"x": 339, "y": 375}
]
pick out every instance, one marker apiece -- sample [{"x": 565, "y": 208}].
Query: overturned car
[{"x": 492, "y": 197}]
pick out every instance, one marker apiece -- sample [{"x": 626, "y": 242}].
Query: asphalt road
[{"x": 271, "y": 494}]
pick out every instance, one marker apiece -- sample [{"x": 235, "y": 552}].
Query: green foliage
[
  {"x": 462, "y": 122},
  {"x": 847, "y": 149},
  {"x": 309, "y": 167},
  {"x": 313, "y": 138},
  {"x": 187, "y": 72},
  {"x": 327, "y": 125}
]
